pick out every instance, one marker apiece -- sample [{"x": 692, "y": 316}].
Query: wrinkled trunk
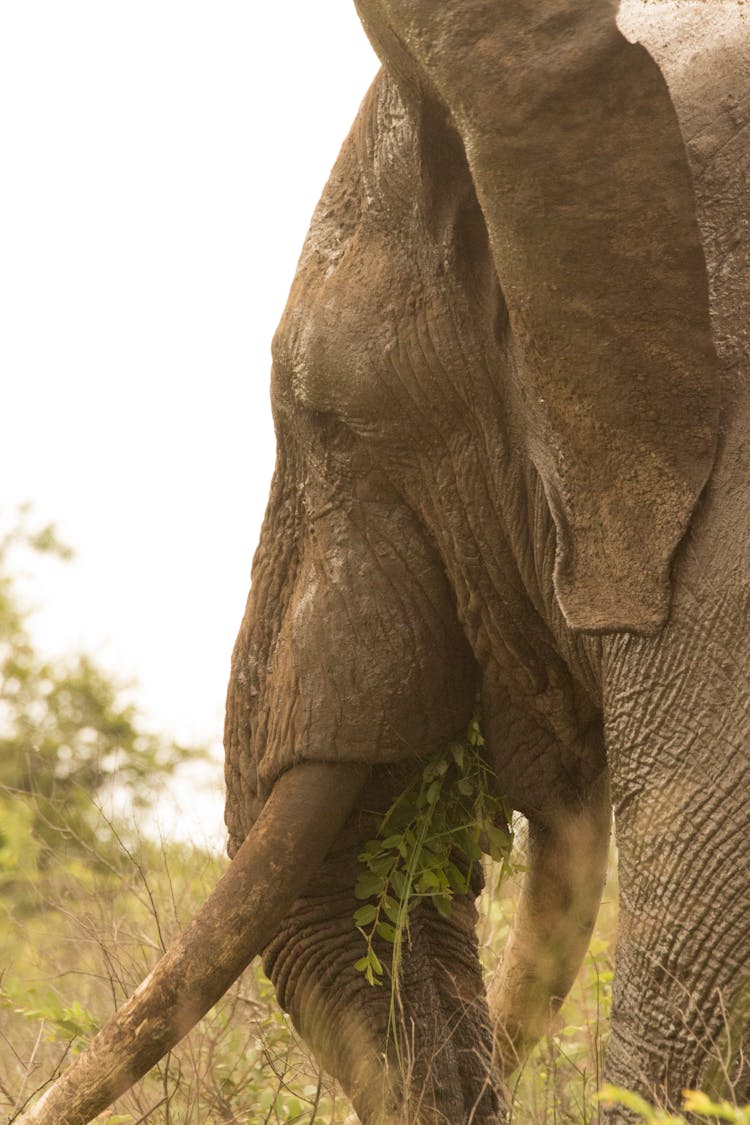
[
  {"x": 426, "y": 1055},
  {"x": 421, "y": 1053}
]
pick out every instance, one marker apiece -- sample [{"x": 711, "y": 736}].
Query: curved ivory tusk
[
  {"x": 305, "y": 812},
  {"x": 560, "y": 896}
]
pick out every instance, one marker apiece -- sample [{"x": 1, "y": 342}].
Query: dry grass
[
  {"x": 559, "y": 1081},
  {"x": 83, "y": 935}
]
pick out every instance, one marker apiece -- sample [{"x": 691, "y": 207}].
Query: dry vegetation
[
  {"x": 82, "y": 925},
  {"x": 82, "y": 935}
]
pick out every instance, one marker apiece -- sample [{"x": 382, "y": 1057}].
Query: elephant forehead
[
  {"x": 391, "y": 312},
  {"x": 340, "y": 328},
  {"x": 368, "y": 340}
]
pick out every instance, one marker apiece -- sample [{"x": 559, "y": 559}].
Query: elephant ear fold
[
  {"x": 621, "y": 497},
  {"x": 598, "y": 252},
  {"x": 581, "y": 174}
]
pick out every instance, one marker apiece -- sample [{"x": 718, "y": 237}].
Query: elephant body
[
  {"x": 399, "y": 584},
  {"x": 420, "y": 570},
  {"x": 513, "y": 463}
]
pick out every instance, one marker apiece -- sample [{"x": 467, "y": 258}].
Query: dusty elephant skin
[{"x": 509, "y": 462}]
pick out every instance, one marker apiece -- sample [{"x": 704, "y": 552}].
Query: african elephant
[{"x": 513, "y": 426}]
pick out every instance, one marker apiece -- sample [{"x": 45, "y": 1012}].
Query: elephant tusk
[
  {"x": 552, "y": 925},
  {"x": 305, "y": 812}
]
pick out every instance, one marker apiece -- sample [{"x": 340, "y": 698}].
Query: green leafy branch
[
  {"x": 62, "y": 1022},
  {"x": 426, "y": 848}
]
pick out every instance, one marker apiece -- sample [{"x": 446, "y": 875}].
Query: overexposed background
[{"x": 160, "y": 162}]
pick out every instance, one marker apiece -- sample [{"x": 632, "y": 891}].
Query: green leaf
[
  {"x": 428, "y": 882},
  {"x": 374, "y": 961},
  {"x": 388, "y": 933},
  {"x": 365, "y": 915},
  {"x": 380, "y": 865},
  {"x": 398, "y": 882},
  {"x": 432, "y": 858},
  {"x": 433, "y": 792},
  {"x": 498, "y": 841},
  {"x": 368, "y": 885},
  {"x": 458, "y": 881},
  {"x": 442, "y": 904},
  {"x": 392, "y": 909}
]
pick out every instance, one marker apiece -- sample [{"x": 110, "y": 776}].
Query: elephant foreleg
[{"x": 678, "y": 726}]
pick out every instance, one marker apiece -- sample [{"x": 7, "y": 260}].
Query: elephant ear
[{"x": 581, "y": 173}]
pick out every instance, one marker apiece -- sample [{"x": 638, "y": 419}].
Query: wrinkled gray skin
[
  {"x": 438, "y": 525},
  {"x": 513, "y": 460}
]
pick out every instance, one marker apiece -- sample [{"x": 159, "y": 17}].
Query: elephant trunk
[
  {"x": 304, "y": 814},
  {"x": 553, "y": 922}
]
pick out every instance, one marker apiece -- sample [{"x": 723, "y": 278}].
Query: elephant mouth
[{"x": 295, "y": 832}]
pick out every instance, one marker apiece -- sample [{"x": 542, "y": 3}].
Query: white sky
[{"x": 159, "y": 165}]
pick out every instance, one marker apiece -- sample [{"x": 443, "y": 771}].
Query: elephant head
[{"x": 497, "y": 401}]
